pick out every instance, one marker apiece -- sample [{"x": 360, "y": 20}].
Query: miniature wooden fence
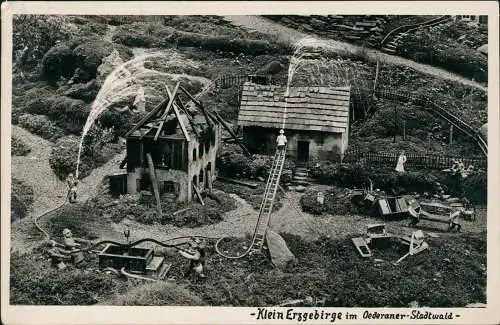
[
  {"x": 425, "y": 161},
  {"x": 231, "y": 80}
]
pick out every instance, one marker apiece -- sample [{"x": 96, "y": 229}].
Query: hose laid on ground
[
  {"x": 47, "y": 236},
  {"x": 135, "y": 276}
]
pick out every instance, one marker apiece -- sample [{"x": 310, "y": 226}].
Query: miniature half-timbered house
[
  {"x": 317, "y": 120},
  {"x": 173, "y": 149}
]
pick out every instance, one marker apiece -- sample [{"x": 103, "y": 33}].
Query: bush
[
  {"x": 35, "y": 282},
  {"x": 34, "y": 35},
  {"x": 429, "y": 48},
  {"x": 232, "y": 164},
  {"x": 18, "y": 147},
  {"x": 157, "y": 294},
  {"x": 335, "y": 203},
  {"x": 475, "y": 187},
  {"x": 69, "y": 114},
  {"x": 229, "y": 45},
  {"x": 197, "y": 215},
  {"x": 21, "y": 199},
  {"x": 64, "y": 154},
  {"x": 78, "y": 59},
  {"x": 141, "y": 34},
  {"x": 63, "y": 158},
  {"x": 41, "y": 126},
  {"x": 383, "y": 178},
  {"x": 83, "y": 219}
]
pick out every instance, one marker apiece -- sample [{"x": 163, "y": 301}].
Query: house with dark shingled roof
[{"x": 317, "y": 120}]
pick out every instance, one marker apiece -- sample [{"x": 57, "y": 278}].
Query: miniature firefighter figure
[
  {"x": 57, "y": 254},
  {"x": 71, "y": 184},
  {"x": 414, "y": 211},
  {"x": 454, "y": 215},
  {"x": 139, "y": 104},
  {"x": 196, "y": 256},
  {"x": 400, "y": 167},
  {"x": 73, "y": 245},
  {"x": 281, "y": 140}
]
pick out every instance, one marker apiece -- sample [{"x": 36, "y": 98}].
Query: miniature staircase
[
  {"x": 301, "y": 177},
  {"x": 268, "y": 200},
  {"x": 393, "y": 39}
]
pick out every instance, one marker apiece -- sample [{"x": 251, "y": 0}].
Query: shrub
[
  {"x": 18, "y": 147},
  {"x": 64, "y": 154},
  {"x": 21, "y": 199},
  {"x": 228, "y": 44},
  {"x": 41, "y": 126},
  {"x": 309, "y": 203},
  {"x": 83, "y": 219},
  {"x": 63, "y": 158},
  {"x": 197, "y": 215},
  {"x": 34, "y": 35},
  {"x": 69, "y": 114},
  {"x": 141, "y": 34},
  {"x": 35, "y": 282},
  {"x": 475, "y": 187},
  {"x": 157, "y": 294},
  {"x": 383, "y": 178},
  {"x": 78, "y": 59},
  {"x": 429, "y": 48},
  {"x": 233, "y": 164}
]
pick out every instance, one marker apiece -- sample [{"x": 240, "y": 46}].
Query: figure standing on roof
[
  {"x": 281, "y": 140},
  {"x": 196, "y": 256},
  {"x": 71, "y": 184},
  {"x": 400, "y": 167}
]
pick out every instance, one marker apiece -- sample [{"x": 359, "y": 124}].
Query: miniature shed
[
  {"x": 172, "y": 150},
  {"x": 317, "y": 120}
]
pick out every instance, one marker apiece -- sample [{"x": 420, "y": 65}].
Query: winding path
[{"x": 286, "y": 34}]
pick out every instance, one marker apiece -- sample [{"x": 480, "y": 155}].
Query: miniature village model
[{"x": 228, "y": 182}]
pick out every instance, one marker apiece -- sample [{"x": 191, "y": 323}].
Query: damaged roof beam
[{"x": 167, "y": 109}]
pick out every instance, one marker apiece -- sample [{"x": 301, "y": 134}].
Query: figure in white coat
[{"x": 400, "y": 167}]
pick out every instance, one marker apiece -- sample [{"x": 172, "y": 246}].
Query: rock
[
  {"x": 280, "y": 254},
  {"x": 307, "y": 27},
  {"x": 413, "y": 304},
  {"x": 300, "y": 188},
  {"x": 285, "y": 20}
]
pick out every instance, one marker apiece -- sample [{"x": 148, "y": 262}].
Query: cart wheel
[{"x": 111, "y": 271}]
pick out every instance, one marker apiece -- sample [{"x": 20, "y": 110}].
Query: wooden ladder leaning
[{"x": 268, "y": 200}]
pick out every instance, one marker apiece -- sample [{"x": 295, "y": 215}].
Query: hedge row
[
  {"x": 386, "y": 179},
  {"x": 41, "y": 126}
]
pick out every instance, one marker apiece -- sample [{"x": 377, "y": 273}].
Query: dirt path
[
  {"x": 48, "y": 191},
  {"x": 287, "y": 34}
]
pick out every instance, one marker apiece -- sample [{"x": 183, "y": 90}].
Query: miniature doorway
[{"x": 303, "y": 151}]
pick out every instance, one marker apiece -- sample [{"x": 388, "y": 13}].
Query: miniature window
[
  {"x": 194, "y": 154},
  {"x": 207, "y": 146},
  {"x": 200, "y": 150},
  {"x": 201, "y": 177}
]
